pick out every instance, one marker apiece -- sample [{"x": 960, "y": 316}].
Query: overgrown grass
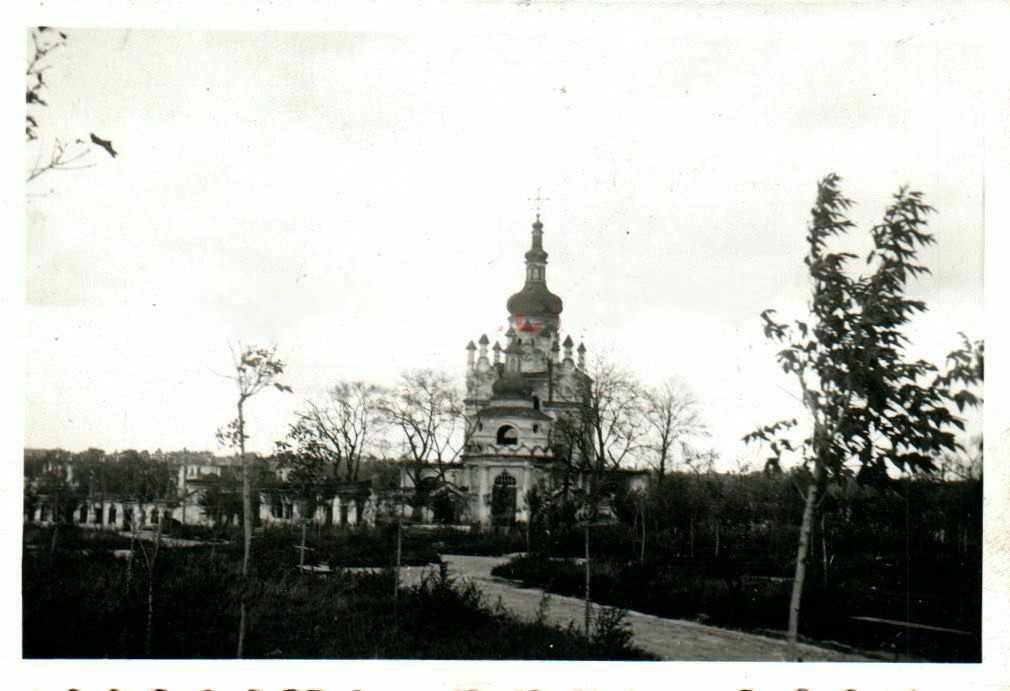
[
  {"x": 720, "y": 592},
  {"x": 80, "y": 605}
]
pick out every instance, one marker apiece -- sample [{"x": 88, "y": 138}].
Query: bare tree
[
  {"x": 426, "y": 408},
  {"x": 594, "y": 441},
  {"x": 339, "y": 427},
  {"x": 670, "y": 412},
  {"x": 256, "y": 368}
]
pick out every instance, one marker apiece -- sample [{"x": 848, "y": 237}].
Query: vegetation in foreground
[
  {"x": 79, "y": 602},
  {"x": 720, "y": 549}
]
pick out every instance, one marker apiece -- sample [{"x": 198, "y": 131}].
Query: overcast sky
[{"x": 362, "y": 200}]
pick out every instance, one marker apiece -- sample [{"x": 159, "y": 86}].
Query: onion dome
[
  {"x": 511, "y": 385},
  {"x": 535, "y": 299}
]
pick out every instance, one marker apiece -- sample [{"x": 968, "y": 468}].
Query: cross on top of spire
[{"x": 538, "y": 199}]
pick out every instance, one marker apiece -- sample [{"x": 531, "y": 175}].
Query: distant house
[{"x": 207, "y": 491}]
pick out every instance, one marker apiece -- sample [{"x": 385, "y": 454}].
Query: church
[{"x": 514, "y": 392}]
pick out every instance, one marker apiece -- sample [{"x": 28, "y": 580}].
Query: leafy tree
[
  {"x": 306, "y": 477},
  {"x": 867, "y": 403},
  {"x": 148, "y": 484},
  {"x": 53, "y": 490},
  {"x": 220, "y": 499},
  {"x": 256, "y": 368},
  {"x": 59, "y": 154}
]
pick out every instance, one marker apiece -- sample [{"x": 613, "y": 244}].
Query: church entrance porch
[{"x": 504, "y": 500}]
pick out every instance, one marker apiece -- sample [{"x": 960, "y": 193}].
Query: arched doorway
[{"x": 503, "y": 500}]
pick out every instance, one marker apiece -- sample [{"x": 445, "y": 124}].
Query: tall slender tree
[
  {"x": 867, "y": 403},
  {"x": 255, "y": 368}
]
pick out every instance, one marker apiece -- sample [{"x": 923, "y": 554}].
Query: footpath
[{"x": 667, "y": 639}]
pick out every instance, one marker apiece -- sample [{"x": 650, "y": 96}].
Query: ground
[{"x": 668, "y": 639}]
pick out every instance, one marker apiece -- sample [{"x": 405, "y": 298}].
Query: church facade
[{"x": 515, "y": 392}]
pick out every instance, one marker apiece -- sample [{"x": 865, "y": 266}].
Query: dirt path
[{"x": 668, "y": 639}]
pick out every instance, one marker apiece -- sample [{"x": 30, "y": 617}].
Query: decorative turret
[
  {"x": 483, "y": 346},
  {"x": 512, "y": 353},
  {"x": 555, "y": 351},
  {"x": 582, "y": 355},
  {"x": 568, "y": 347},
  {"x": 497, "y": 352},
  {"x": 535, "y": 307},
  {"x": 470, "y": 349}
]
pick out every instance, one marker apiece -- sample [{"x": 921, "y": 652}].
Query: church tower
[{"x": 512, "y": 402}]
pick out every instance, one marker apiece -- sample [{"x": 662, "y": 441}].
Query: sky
[{"x": 363, "y": 201}]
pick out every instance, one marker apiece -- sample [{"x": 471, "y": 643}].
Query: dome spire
[{"x": 535, "y": 307}]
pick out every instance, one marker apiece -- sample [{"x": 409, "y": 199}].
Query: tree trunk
[
  {"x": 717, "y": 538},
  {"x": 150, "y": 583},
  {"x": 824, "y": 552},
  {"x": 806, "y": 528},
  {"x": 589, "y": 604},
  {"x": 241, "y": 624},
  {"x": 399, "y": 556},
  {"x": 247, "y": 529},
  {"x": 642, "y": 556},
  {"x": 692, "y": 536},
  {"x": 150, "y": 612},
  {"x": 301, "y": 551},
  {"x": 634, "y": 531},
  {"x": 129, "y": 560},
  {"x": 56, "y": 532},
  {"x": 247, "y": 517}
]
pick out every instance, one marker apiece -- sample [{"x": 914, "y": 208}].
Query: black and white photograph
[{"x": 566, "y": 332}]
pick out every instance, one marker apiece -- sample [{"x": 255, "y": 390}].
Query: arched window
[
  {"x": 536, "y": 403},
  {"x": 507, "y": 436},
  {"x": 112, "y": 515},
  {"x": 536, "y": 428}
]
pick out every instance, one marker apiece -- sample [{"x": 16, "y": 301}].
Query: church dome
[
  {"x": 511, "y": 385},
  {"x": 535, "y": 300}
]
